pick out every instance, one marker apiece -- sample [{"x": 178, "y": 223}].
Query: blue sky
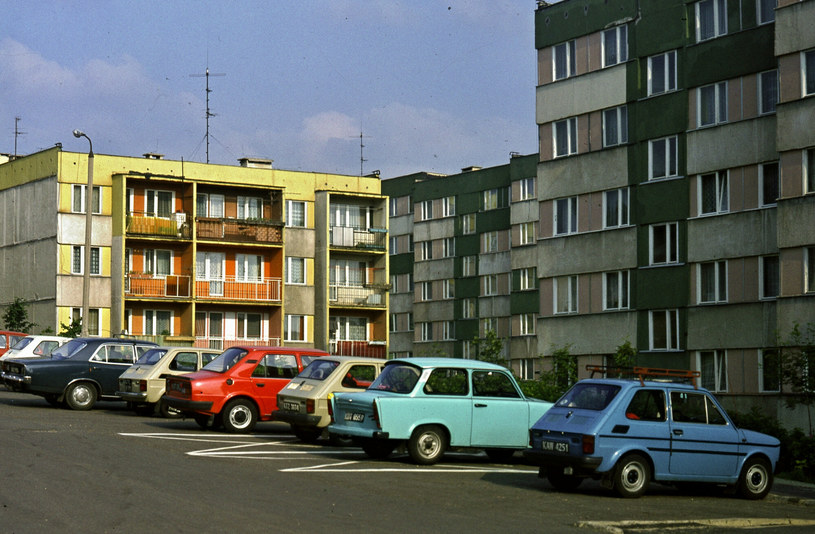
[{"x": 433, "y": 86}]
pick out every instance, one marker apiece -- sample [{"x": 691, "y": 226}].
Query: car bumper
[
  {"x": 578, "y": 465},
  {"x": 129, "y": 396},
  {"x": 10, "y": 378},
  {"x": 356, "y": 432},
  {"x": 298, "y": 419},
  {"x": 187, "y": 405}
]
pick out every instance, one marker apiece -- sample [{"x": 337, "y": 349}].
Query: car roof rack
[{"x": 641, "y": 373}]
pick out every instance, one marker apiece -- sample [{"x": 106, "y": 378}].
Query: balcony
[
  {"x": 222, "y": 343},
  {"x": 230, "y": 288},
  {"x": 241, "y": 230},
  {"x": 368, "y": 295},
  {"x": 359, "y": 238},
  {"x": 157, "y": 286},
  {"x": 364, "y": 349},
  {"x": 139, "y": 223}
]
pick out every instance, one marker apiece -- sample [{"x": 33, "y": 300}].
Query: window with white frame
[
  {"x": 770, "y": 276},
  {"x": 664, "y": 244},
  {"x": 409, "y": 316},
  {"x": 448, "y": 288},
  {"x": 809, "y": 270},
  {"x": 767, "y": 91},
  {"x": 295, "y": 270},
  {"x": 615, "y": 126},
  {"x": 563, "y": 64},
  {"x": 393, "y": 245},
  {"x": 526, "y": 188},
  {"x": 393, "y": 207},
  {"x": 489, "y": 285},
  {"x": 769, "y": 370},
  {"x": 351, "y": 216},
  {"x": 526, "y": 324},
  {"x": 395, "y": 286},
  {"x": 663, "y": 155},
  {"x": 248, "y": 268},
  {"x": 448, "y": 206},
  {"x": 489, "y": 324},
  {"x": 565, "y": 215},
  {"x": 425, "y": 210},
  {"x": 209, "y": 266},
  {"x": 248, "y": 325},
  {"x": 712, "y": 104},
  {"x": 713, "y": 366},
  {"x": 296, "y": 213},
  {"x": 526, "y": 369},
  {"x": 469, "y": 266},
  {"x": 490, "y": 241},
  {"x": 78, "y": 260},
  {"x": 425, "y": 291},
  {"x": 448, "y": 331},
  {"x": 79, "y": 196},
  {"x": 615, "y": 290},
  {"x": 250, "y": 207},
  {"x": 295, "y": 327},
  {"x": 565, "y": 137},
  {"x": 713, "y": 193},
  {"x": 766, "y": 11},
  {"x": 663, "y": 330},
  {"x": 809, "y": 170},
  {"x": 468, "y": 308},
  {"x": 768, "y": 182},
  {"x": 425, "y": 250},
  {"x": 615, "y": 208},
  {"x": 662, "y": 73},
  {"x": 94, "y": 328},
  {"x": 468, "y": 350},
  {"x": 158, "y": 262},
  {"x": 615, "y": 46},
  {"x": 565, "y": 294},
  {"x": 348, "y": 328},
  {"x": 448, "y": 247},
  {"x": 526, "y": 278},
  {"x": 347, "y": 273},
  {"x": 426, "y": 331},
  {"x": 158, "y": 322},
  {"x": 712, "y": 282},
  {"x": 209, "y": 205},
  {"x": 526, "y": 233},
  {"x": 711, "y": 19},
  {"x": 808, "y": 72},
  {"x": 468, "y": 223},
  {"x": 490, "y": 199}
]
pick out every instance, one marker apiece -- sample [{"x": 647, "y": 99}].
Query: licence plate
[
  {"x": 291, "y": 406},
  {"x": 355, "y": 416},
  {"x": 555, "y": 446}
]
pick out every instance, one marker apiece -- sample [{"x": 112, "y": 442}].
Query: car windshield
[
  {"x": 398, "y": 378},
  {"x": 589, "y": 396},
  {"x": 151, "y": 357},
  {"x": 23, "y": 343},
  {"x": 319, "y": 369},
  {"x": 226, "y": 360},
  {"x": 68, "y": 350}
]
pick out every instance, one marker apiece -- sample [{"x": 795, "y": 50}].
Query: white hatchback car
[{"x": 34, "y": 347}]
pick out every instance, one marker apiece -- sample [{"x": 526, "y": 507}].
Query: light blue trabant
[{"x": 431, "y": 404}]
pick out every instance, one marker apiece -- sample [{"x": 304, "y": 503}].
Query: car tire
[
  {"x": 80, "y": 396},
  {"x": 632, "y": 476},
  {"x": 427, "y": 444},
  {"x": 306, "y": 434},
  {"x": 562, "y": 482},
  {"x": 378, "y": 449},
  {"x": 756, "y": 479},
  {"x": 168, "y": 412},
  {"x": 500, "y": 456},
  {"x": 239, "y": 416}
]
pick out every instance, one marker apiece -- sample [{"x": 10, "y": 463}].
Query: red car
[
  {"x": 238, "y": 388},
  {"x": 8, "y": 339}
]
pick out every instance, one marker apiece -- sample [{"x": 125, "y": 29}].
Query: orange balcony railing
[
  {"x": 230, "y": 288},
  {"x": 148, "y": 224},
  {"x": 150, "y": 285},
  {"x": 242, "y": 230}
]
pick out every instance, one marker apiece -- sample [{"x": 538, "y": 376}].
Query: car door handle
[
  {"x": 260, "y": 385},
  {"x": 678, "y": 432},
  {"x": 479, "y": 405}
]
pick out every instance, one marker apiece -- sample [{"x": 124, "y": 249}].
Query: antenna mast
[
  {"x": 209, "y": 114},
  {"x": 17, "y": 133},
  {"x": 362, "y": 159}
]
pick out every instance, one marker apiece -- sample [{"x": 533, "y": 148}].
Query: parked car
[
  {"x": 8, "y": 339},
  {"x": 142, "y": 385},
  {"x": 303, "y": 403},
  {"x": 629, "y": 432},
  {"x": 238, "y": 388},
  {"x": 431, "y": 404},
  {"x": 34, "y": 347},
  {"x": 78, "y": 373}
]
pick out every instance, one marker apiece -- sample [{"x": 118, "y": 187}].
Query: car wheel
[
  {"x": 168, "y": 411},
  {"x": 562, "y": 482},
  {"x": 309, "y": 435},
  {"x": 500, "y": 456},
  {"x": 756, "y": 479},
  {"x": 204, "y": 421},
  {"x": 340, "y": 441},
  {"x": 239, "y": 416},
  {"x": 427, "y": 444},
  {"x": 80, "y": 396},
  {"x": 378, "y": 449},
  {"x": 632, "y": 476}
]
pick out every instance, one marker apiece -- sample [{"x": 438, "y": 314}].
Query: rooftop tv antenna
[
  {"x": 209, "y": 114},
  {"x": 17, "y": 133},
  {"x": 362, "y": 159}
]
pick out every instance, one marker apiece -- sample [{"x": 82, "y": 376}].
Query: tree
[
  {"x": 71, "y": 330},
  {"x": 555, "y": 382},
  {"x": 490, "y": 348},
  {"x": 16, "y": 317},
  {"x": 796, "y": 356}
]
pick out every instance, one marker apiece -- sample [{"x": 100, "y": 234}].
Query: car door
[
  {"x": 703, "y": 444},
  {"x": 500, "y": 412},
  {"x": 271, "y": 374},
  {"x": 108, "y": 363}
]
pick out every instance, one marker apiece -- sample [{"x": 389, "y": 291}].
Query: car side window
[
  {"x": 207, "y": 357},
  {"x": 493, "y": 384},
  {"x": 114, "y": 353},
  {"x": 141, "y": 349},
  {"x": 443, "y": 381},
  {"x": 276, "y": 366},
  {"x": 695, "y": 408},
  {"x": 647, "y": 405},
  {"x": 45, "y": 348},
  {"x": 359, "y": 376},
  {"x": 185, "y": 361}
]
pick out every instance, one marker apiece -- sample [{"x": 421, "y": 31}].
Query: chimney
[
  {"x": 153, "y": 155},
  {"x": 256, "y": 163},
  {"x": 471, "y": 168}
]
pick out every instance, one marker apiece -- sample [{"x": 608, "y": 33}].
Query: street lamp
[{"x": 86, "y": 273}]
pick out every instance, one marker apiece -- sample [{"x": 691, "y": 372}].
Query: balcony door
[{"x": 209, "y": 266}]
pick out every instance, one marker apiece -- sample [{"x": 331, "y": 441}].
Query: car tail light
[
  {"x": 142, "y": 385},
  {"x": 331, "y": 408},
  {"x": 309, "y": 405},
  {"x": 375, "y": 416},
  {"x": 588, "y": 444}
]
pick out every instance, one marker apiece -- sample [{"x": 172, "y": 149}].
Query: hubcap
[
  {"x": 632, "y": 476},
  {"x": 429, "y": 445},
  {"x": 81, "y": 395},
  {"x": 756, "y": 479},
  {"x": 239, "y": 416}
]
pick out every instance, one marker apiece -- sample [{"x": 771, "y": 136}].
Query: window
[
  {"x": 566, "y": 216},
  {"x": 615, "y": 126},
  {"x": 615, "y": 46},
  {"x": 808, "y": 74},
  {"x": 79, "y": 196},
  {"x": 426, "y": 331},
  {"x": 351, "y": 216},
  {"x": 526, "y": 189},
  {"x": 526, "y": 369},
  {"x": 296, "y": 211},
  {"x": 664, "y": 330},
  {"x": 695, "y": 408},
  {"x": 712, "y": 104},
  {"x": 615, "y": 290},
  {"x": 488, "y": 324},
  {"x": 489, "y": 285},
  {"x": 393, "y": 207},
  {"x": 490, "y": 199},
  {"x": 768, "y": 180},
  {"x": 526, "y": 278},
  {"x": 647, "y": 405},
  {"x": 158, "y": 262},
  {"x": 425, "y": 210},
  {"x": 566, "y": 294},
  {"x": 526, "y": 324},
  {"x": 447, "y": 331},
  {"x": 425, "y": 291},
  {"x": 158, "y": 322},
  {"x": 209, "y": 205},
  {"x": 295, "y": 270},
  {"x": 425, "y": 250},
  {"x": 766, "y": 11},
  {"x": 250, "y": 207},
  {"x": 713, "y": 366},
  {"x": 493, "y": 384},
  {"x": 664, "y": 244},
  {"x": 248, "y": 268},
  {"x": 662, "y": 73},
  {"x": 448, "y": 206},
  {"x": 769, "y": 277},
  {"x": 468, "y": 308},
  {"x": 469, "y": 266},
  {"x": 809, "y": 270},
  {"x": 248, "y": 325},
  {"x": 712, "y": 284},
  {"x": 448, "y": 247},
  {"x": 468, "y": 223},
  {"x": 78, "y": 260},
  {"x": 159, "y": 203},
  {"x": 809, "y": 170},
  {"x": 295, "y": 328},
  {"x": 393, "y": 245},
  {"x": 615, "y": 210},
  {"x": 711, "y": 19},
  {"x": 768, "y": 91},
  {"x": 769, "y": 369},
  {"x": 348, "y": 273},
  {"x": 209, "y": 266},
  {"x": 563, "y": 65},
  {"x": 565, "y": 133},
  {"x": 448, "y": 289},
  {"x": 93, "y": 319},
  {"x": 447, "y": 382},
  {"x": 490, "y": 242},
  {"x": 662, "y": 157},
  {"x": 713, "y": 196},
  {"x": 348, "y": 328},
  {"x": 527, "y": 233}
]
